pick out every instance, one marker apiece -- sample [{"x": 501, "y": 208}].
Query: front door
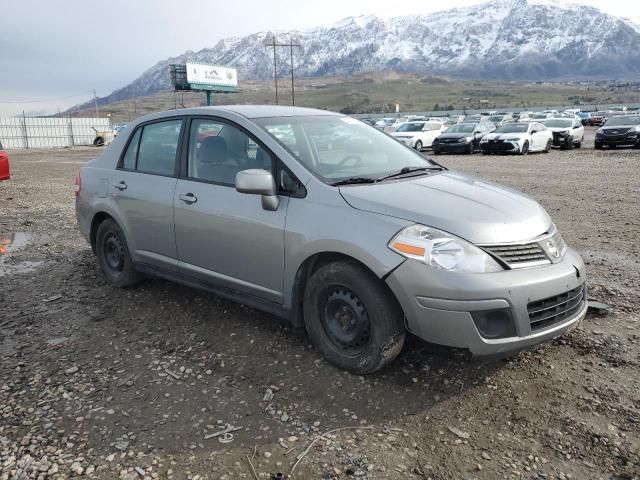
[{"x": 225, "y": 237}]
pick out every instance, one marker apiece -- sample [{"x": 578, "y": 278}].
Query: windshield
[
  {"x": 410, "y": 127},
  {"x": 512, "y": 128},
  {"x": 558, "y": 123},
  {"x": 336, "y": 148},
  {"x": 461, "y": 128},
  {"x": 538, "y": 115},
  {"x": 615, "y": 121},
  {"x": 496, "y": 118}
]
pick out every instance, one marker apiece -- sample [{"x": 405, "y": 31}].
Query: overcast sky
[{"x": 53, "y": 53}]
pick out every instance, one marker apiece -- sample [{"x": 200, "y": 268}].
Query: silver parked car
[{"x": 324, "y": 220}]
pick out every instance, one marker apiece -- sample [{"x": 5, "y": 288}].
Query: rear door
[
  {"x": 143, "y": 187},
  {"x": 224, "y": 237}
]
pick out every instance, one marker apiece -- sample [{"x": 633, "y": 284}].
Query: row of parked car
[{"x": 526, "y": 132}]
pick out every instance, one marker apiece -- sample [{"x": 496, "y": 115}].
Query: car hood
[
  {"x": 505, "y": 136},
  {"x": 620, "y": 128},
  {"x": 559, "y": 129},
  {"x": 404, "y": 134},
  {"x": 479, "y": 211},
  {"x": 455, "y": 135}
]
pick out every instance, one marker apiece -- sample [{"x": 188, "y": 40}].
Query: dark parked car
[
  {"x": 460, "y": 138},
  {"x": 596, "y": 118},
  {"x": 4, "y": 164},
  {"x": 619, "y": 131}
]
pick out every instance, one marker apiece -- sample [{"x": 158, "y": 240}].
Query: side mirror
[{"x": 259, "y": 182}]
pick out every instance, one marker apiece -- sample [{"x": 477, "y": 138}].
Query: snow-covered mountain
[{"x": 500, "y": 39}]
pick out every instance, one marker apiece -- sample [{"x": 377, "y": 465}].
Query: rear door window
[{"x": 158, "y": 147}]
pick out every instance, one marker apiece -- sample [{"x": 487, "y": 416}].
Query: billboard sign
[{"x": 211, "y": 75}]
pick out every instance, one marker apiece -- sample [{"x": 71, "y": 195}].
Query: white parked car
[
  {"x": 567, "y": 132},
  {"x": 520, "y": 138},
  {"x": 418, "y": 135},
  {"x": 395, "y": 125}
]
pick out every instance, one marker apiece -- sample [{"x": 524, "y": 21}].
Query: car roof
[{"x": 247, "y": 111}]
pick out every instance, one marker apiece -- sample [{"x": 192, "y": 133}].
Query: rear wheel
[
  {"x": 418, "y": 145},
  {"x": 352, "y": 318},
  {"x": 525, "y": 148},
  {"x": 113, "y": 255}
]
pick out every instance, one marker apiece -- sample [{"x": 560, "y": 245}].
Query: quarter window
[
  {"x": 129, "y": 160},
  {"x": 158, "y": 147},
  {"x": 218, "y": 151}
]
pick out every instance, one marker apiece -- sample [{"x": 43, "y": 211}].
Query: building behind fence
[{"x": 45, "y": 132}]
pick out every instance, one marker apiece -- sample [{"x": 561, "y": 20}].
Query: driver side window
[{"x": 218, "y": 151}]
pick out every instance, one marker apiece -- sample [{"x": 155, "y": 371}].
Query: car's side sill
[{"x": 237, "y": 296}]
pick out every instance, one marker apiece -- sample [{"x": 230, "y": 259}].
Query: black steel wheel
[
  {"x": 345, "y": 320},
  {"x": 113, "y": 255},
  {"x": 352, "y": 317}
]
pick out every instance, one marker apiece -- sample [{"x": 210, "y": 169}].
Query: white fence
[{"x": 44, "y": 132}]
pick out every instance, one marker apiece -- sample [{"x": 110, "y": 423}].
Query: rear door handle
[
  {"x": 189, "y": 198},
  {"x": 120, "y": 186}
]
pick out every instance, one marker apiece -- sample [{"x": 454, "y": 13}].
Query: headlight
[
  {"x": 600, "y": 131},
  {"x": 465, "y": 139},
  {"x": 442, "y": 250}
]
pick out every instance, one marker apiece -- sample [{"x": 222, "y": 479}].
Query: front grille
[
  {"x": 520, "y": 256},
  {"x": 550, "y": 311},
  {"x": 559, "y": 138},
  {"x": 499, "y": 146}
]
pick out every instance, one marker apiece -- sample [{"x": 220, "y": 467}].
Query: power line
[
  {"x": 46, "y": 100},
  {"x": 271, "y": 42}
]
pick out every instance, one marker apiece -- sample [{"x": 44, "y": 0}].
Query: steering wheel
[{"x": 348, "y": 158}]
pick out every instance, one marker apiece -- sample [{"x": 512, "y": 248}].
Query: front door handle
[
  {"x": 189, "y": 198},
  {"x": 120, "y": 186}
]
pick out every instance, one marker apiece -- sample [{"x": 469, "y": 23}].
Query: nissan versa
[{"x": 319, "y": 218}]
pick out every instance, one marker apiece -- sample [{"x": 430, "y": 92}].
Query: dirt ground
[{"x": 106, "y": 383}]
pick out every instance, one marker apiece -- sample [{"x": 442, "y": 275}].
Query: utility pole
[
  {"x": 95, "y": 102},
  {"x": 271, "y": 42}
]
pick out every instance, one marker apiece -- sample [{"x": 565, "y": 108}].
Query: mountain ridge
[{"x": 498, "y": 39}]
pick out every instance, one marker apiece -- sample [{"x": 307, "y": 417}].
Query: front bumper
[
  {"x": 438, "y": 305},
  {"x": 563, "y": 140},
  {"x": 500, "y": 146},
  {"x": 455, "y": 147},
  {"x": 617, "y": 140}
]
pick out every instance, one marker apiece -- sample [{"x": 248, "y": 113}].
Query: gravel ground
[{"x": 105, "y": 383}]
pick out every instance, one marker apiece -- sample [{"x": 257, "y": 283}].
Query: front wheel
[
  {"x": 418, "y": 145},
  {"x": 436, "y": 151},
  {"x": 525, "y": 148},
  {"x": 547, "y": 149},
  {"x": 113, "y": 255},
  {"x": 352, "y": 318}
]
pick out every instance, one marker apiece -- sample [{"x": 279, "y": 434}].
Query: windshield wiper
[
  {"x": 407, "y": 170},
  {"x": 353, "y": 181}
]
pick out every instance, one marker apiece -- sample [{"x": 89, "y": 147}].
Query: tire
[
  {"x": 436, "y": 151},
  {"x": 369, "y": 334},
  {"x": 570, "y": 144},
  {"x": 598, "y": 146},
  {"x": 579, "y": 144},
  {"x": 525, "y": 148},
  {"x": 469, "y": 149},
  {"x": 113, "y": 255},
  {"x": 418, "y": 146},
  {"x": 547, "y": 149},
  {"x": 98, "y": 142}
]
